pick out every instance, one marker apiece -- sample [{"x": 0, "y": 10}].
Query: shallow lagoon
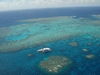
[{"x": 57, "y": 33}]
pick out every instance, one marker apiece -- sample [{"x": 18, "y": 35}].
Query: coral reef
[
  {"x": 89, "y": 43},
  {"x": 30, "y": 55},
  {"x": 73, "y": 44},
  {"x": 90, "y": 56},
  {"x": 33, "y": 32},
  {"x": 55, "y": 63},
  {"x": 85, "y": 50}
]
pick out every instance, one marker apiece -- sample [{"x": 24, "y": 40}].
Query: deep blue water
[
  {"x": 18, "y": 63},
  {"x": 9, "y": 17}
]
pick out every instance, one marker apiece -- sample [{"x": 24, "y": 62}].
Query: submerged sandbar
[{"x": 35, "y": 32}]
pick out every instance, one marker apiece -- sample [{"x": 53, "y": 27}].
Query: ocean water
[{"x": 69, "y": 32}]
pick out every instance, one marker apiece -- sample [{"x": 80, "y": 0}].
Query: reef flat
[
  {"x": 33, "y": 32},
  {"x": 54, "y": 63}
]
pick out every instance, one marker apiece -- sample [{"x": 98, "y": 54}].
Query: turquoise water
[
  {"x": 19, "y": 63},
  {"x": 77, "y": 38}
]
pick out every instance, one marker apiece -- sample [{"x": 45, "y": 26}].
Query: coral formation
[
  {"x": 73, "y": 44},
  {"x": 89, "y": 43},
  {"x": 29, "y": 55},
  {"x": 85, "y": 50},
  {"x": 35, "y": 32},
  {"x": 55, "y": 63},
  {"x": 90, "y": 56}
]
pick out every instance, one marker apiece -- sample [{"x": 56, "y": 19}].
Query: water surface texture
[{"x": 73, "y": 39}]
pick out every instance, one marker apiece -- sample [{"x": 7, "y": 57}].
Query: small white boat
[{"x": 44, "y": 50}]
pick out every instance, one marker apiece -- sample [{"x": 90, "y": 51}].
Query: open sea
[{"x": 72, "y": 32}]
